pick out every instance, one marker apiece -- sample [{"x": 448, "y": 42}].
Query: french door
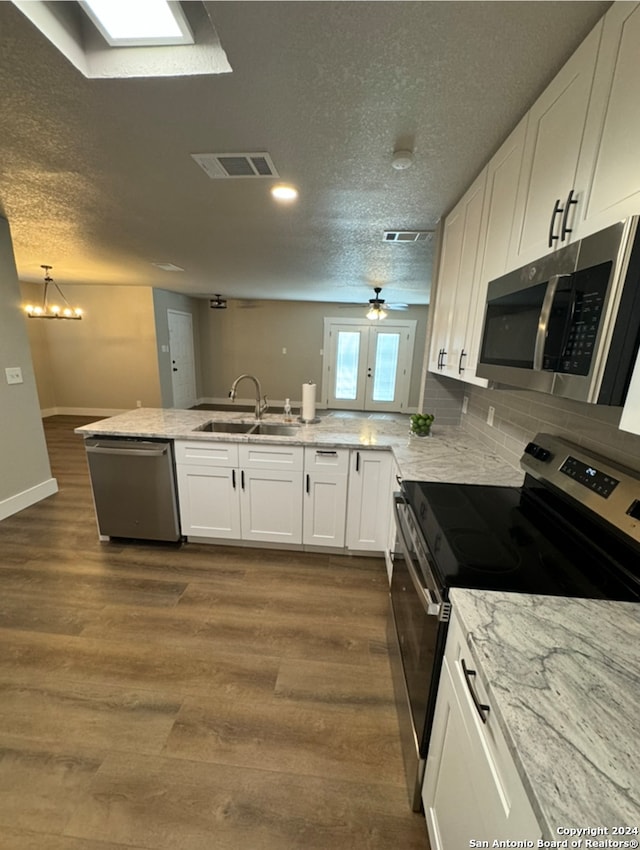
[{"x": 367, "y": 367}]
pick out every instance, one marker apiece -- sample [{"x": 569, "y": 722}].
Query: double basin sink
[{"x": 273, "y": 429}]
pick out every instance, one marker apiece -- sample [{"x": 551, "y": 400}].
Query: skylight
[{"x": 124, "y": 23}]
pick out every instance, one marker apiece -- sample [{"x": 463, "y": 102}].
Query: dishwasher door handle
[{"x": 103, "y": 450}]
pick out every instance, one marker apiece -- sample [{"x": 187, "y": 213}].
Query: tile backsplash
[{"x": 520, "y": 414}]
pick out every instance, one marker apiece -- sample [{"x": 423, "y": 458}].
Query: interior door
[
  {"x": 183, "y": 372},
  {"x": 367, "y": 367}
]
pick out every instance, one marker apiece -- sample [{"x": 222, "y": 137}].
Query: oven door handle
[{"x": 430, "y": 601}]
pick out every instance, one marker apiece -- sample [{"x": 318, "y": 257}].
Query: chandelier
[{"x": 52, "y": 311}]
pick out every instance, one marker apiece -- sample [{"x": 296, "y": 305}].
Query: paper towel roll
[{"x": 308, "y": 412}]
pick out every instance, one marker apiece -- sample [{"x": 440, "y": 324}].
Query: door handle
[
  {"x": 242, "y": 479},
  {"x": 308, "y": 488},
  {"x": 233, "y": 478},
  {"x": 174, "y": 369},
  {"x": 357, "y": 461},
  {"x": 557, "y": 210},
  {"x": 564, "y": 232},
  {"x": 463, "y": 353}
]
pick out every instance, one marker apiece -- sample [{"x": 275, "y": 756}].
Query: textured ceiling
[{"x": 96, "y": 178}]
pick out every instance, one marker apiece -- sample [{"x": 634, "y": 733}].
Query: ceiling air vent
[
  {"x": 407, "y": 235},
  {"x": 227, "y": 165}
]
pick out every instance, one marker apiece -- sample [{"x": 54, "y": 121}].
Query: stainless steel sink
[
  {"x": 222, "y": 427},
  {"x": 275, "y": 430}
]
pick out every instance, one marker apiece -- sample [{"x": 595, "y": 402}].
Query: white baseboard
[
  {"x": 26, "y": 498},
  {"x": 98, "y": 412}
]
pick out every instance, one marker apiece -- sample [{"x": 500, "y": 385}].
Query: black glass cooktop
[{"x": 506, "y": 538}]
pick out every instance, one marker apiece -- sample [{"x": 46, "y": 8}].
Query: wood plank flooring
[{"x": 189, "y": 698}]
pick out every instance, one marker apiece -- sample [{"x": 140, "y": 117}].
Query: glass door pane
[
  {"x": 386, "y": 366},
  {"x": 347, "y": 359}
]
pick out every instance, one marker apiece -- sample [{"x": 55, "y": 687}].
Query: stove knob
[{"x": 538, "y": 452}]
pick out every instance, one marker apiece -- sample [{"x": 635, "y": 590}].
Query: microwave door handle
[{"x": 543, "y": 322}]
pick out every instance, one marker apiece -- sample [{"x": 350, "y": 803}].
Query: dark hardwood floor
[{"x": 193, "y": 698}]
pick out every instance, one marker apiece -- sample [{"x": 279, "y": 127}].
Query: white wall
[{"x": 25, "y": 474}]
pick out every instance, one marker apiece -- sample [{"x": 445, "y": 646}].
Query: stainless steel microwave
[{"x": 569, "y": 323}]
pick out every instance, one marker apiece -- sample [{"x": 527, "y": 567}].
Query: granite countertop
[
  {"x": 449, "y": 454},
  {"x": 563, "y": 678}
]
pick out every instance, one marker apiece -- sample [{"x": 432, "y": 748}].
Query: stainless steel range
[{"x": 572, "y": 529}]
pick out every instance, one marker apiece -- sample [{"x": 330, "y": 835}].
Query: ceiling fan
[{"x": 378, "y": 306}]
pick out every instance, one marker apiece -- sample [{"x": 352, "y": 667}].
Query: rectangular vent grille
[
  {"x": 407, "y": 235},
  {"x": 224, "y": 166}
]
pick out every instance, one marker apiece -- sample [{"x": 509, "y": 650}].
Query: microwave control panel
[{"x": 589, "y": 290}]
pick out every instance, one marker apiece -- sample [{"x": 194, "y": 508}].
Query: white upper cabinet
[
  {"x": 609, "y": 166},
  {"x": 549, "y": 195},
  {"x": 498, "y": 222},
  {"x": 456, "y": 296}
]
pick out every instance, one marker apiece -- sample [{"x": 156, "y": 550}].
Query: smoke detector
[
  {"x": 401, "y": 160},
  {"x": 218, "y": 303}
]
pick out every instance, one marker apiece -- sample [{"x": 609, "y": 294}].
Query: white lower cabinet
[
  {"x": 324, "y": 514},
  {"x": 208, "y": 489},
  {"x": 240, "y": 491},
  {"x": 472, "y": 790},
  {"x": 368, "y": 512},
  {"x": 282, "y": 494}
]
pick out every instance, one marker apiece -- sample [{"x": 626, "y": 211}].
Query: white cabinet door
[
  {"x": 447, "y": 282},
  {"x": 609, "y": 163},
  {"x": 325, "y": 509},
  {"x": 471, "y": 788},
  {"x": 456, "y": 296},
  {"x": 552, "y": 150},
  {"x": 324, "y": 515},
  {"x": 466, "y": 295},
  {"x": 271, "y": 505},
  {"x": 368, "y": 500},
  {"x": 209, "y": 501}
]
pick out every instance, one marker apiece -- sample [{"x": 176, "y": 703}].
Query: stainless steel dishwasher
[{"x": 134, "y": 488}]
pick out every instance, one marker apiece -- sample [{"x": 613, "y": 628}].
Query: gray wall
[
  {"x": 249, "y": 337},
  {"x": 24, "y": 462}
]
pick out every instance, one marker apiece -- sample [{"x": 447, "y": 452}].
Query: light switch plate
[{"x": 14, "y": 375}]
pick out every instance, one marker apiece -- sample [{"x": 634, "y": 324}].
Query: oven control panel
[
  {"x": 609, "y": 491},
  {"x": 590, "y": 476}
]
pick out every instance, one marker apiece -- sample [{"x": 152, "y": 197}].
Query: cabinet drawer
[
  {"x": 206, "y": 453},
  {"x": 272, "y": 456},
  {"x": 326, "y": 460}
]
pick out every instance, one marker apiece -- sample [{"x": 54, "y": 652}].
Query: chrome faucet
[{"x": 261, "y": 405}]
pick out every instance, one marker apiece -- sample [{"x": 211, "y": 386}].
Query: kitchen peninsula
[
  {"x": 326, "y": 484},
  {"x": 450, "y": 454}
]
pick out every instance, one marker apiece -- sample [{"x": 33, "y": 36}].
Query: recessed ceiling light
[
  {"x": 144, "y": 22},
  {"x": 284, "y": 193}
]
